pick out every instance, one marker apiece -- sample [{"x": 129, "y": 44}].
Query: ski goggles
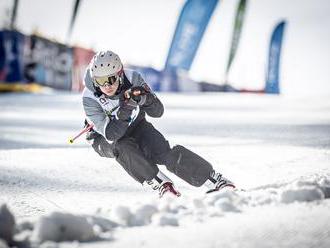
[{"x": 106, "y": 80}]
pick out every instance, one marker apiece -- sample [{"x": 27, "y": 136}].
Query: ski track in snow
[{"x": 275, "y": 148}]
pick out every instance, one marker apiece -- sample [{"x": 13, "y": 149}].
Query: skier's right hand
[{"x": 126, "y": 106}]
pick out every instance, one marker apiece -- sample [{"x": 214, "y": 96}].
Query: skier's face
[{"x": 110, "y": 89}]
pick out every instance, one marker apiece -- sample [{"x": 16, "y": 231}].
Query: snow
[
  {"x": 62, "y": 226},
  {"x": 7, "y": 224},
  {"x": 275, "y": 148},
  {"x": 3, "y": 244}
]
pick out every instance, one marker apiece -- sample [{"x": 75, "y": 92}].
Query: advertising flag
[
  {"x": 274, "y": 55},
  {"x": 239, "y": 19},
  {"x": 190, "y": 28}
]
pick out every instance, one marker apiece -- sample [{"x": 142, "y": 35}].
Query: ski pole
[{"x": 86, "y": 129}]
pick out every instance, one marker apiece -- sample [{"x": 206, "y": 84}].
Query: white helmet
[{"x": 105, "y": 64}]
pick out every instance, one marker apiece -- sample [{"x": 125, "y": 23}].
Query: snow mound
[
  {"x": 7, "y": 224},
  {"x": 63, "y": 227},
  {"x": 306, "y": 194},
  {"x": 307, "y": 190},
  {"x": 161, "y": 219},
  {"x": 3, "y": 244},
  {"x": 101, "y": 224},
  {"x": 225, "y": 201},
  {"x": 172, "y": 211}
]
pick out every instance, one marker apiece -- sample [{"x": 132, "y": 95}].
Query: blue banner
[
  {"x": 11, "y": 56},
  {"x": 274, "y": 55},
  {"x": 190, "y": 28}
]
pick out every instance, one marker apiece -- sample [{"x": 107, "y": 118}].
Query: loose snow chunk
[
  {"x": 104, "y": 224},
  {"x": 144, "y": 214},
  {"x": 226, "y": 205},
  {"x": 3, "y": 244},
  {"x": 226, "y": 200},
  {"x": 63, "y": 227},
  {"x": 316, "y": 188},
  {"x": 49, "y": 244},
  {"x": 198, "y": 203},
  {"x": 7, "y": 223},
  {"x": 325, "y": 186},
  {"x": 302, "y": 194},
  {"x": 128, "y": 217},
  {"x": 123, "y": 215},
  {"x": 166, "y": 219}
]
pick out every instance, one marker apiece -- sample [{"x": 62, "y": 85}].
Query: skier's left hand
[
  {"x": 137, "y": 94},
  {"x": 126, "y": 106}
]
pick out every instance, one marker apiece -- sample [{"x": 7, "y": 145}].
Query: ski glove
[
  {"x": 138, "y": 94},
  {"x": 91, "y": 135},
  {"x": 126, "y": 106},
  {"x": 99, "y": 144}
]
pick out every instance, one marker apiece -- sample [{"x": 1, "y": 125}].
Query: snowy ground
[{"x": 276, "y": 148}]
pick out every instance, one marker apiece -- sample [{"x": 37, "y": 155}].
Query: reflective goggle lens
[{"x": 103, "y": 81}]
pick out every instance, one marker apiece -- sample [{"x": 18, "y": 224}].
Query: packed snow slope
[{"x": 275, "y": 148}]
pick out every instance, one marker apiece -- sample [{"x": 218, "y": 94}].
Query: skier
[{"x": 116, "y": 101}]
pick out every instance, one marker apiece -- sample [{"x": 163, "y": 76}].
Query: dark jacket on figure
[{"x": 101, "y": 110}]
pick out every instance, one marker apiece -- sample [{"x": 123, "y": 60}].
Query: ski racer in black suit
[{"x": 116, "y": 101}]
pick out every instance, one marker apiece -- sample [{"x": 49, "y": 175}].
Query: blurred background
[{"x": 262, "y": 46}]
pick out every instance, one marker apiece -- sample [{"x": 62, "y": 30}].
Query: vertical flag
[
  {"x": 73, "y": 19},
  {"x": 274, "y": 54},
  {"x": 236, "y": 34},
  {"x": 189, "y": 31},
  {"x": 14, "y": 14}
]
